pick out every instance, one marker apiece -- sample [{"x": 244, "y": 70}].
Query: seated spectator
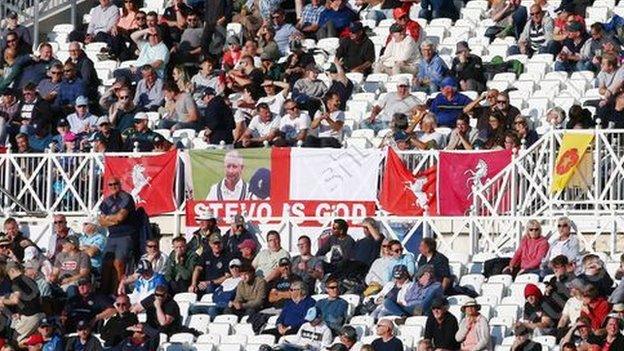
[
  {"x": 595, "y": 307},
  {"x": 339, "y": 83},
  {"x": 238, "y": 235},
  {"x": 522, "y": 340},
  {"x": 563, "y": 272},
  {"x": 52, "y": 338},
  {"x": 267, "y": 260},
  {"x": 412, "y": 28},
  {"x": 156, "y": 257},
  {"x": 12, "y": 25},
  {"x": 313, "y": 335},
  {"x": 82, "y": 122},
  {"x": 85, "y": 340},
  {"x": 294, "y": 125},
  {"x": 333, "y": 308},
  {"x": 521, "y": 126},
  {"x": 48, "y": 88},
  {"x": 431, "y": 69},
  {"x": 250, "y": 48},
  {"x": 233, "y": 54},
  {"x": 216, "y": 118},
  {"x": 92, "y": 242},
  {"x": 537, "y": 35},
  {"x": 572, "y": 308},
  {"x": 226, "y": 291},
  {"x": 212, "y": 267},
  {"x": 297, "y": 62},
  {"x": 250, "y": 293},
  {"x": 273, "y": 98},
  {"x": 181, "y": 111},
  {"x": 121, "y": 113},
  {"x": 467, "y": 69},
  {"x": 180, "y": 265},
  {"x": 356, "y": 51},
  {"x": 493, "y": 138},
  {"x": 463, "y": 136},
  {"x": 556, "y": 117},
  {"x": 85, "y": 70},
  {"x": 308, "y": 24},
  {"x": 366, "y": 249},
  {"x": 336, "y": 18},
  {"x": 327, "y": 128},
  {"x": 40, "y": 138},
  {"x": 309, "y": 90},
  {"x": 22, "y": 144},
  {"x": 71, "y": 266},
  {"x": 607, "y": 74},
  {"x": 400, "y": 101},
  {"x": 566, "y": 244},
  {"x": 398, "y": 283},
  {"x": 427, "y": 138},
  {"x": 154, "y": 53},
  {"x": 569, "y": 58},
  {"x": 430, "y": 256},
  {"x": 208, "y": 77},
  {"x": 264, "y": 127},
  {"x": 267, "y": 47},
  {"x": 614, "y": 339},
  {"x": 418, "y": 296},
  {"x": 538, "y": 316},
  {"x": 145, "y": 282},
  {"x": 377, "y": 275},
  {"x": 175, "y": 18},
  {"x": 595, "y": 273},
  {"x": 87, "y": 305},
  {"x": 448, "y": 105},
  {"x": 140, "y": 134},
  {"x": 440, "y": 325},
  {"x": 482, "y": 107},
  {"x": 348, "y": 339},
  {"x": 400, "y": 53},
  {"x": 181, "y": 78},
  {"x": 280, "y": 284},
  {"x": 398, "y": 257},
  {"x": 36, "y": 67},
  {"x": 510, "y": 18},
  {"x": 128, "y": 20},
  {"x": 581, "y": 336},
  {"x": 306, "y": 265},
  {"x": 110, "y": 96},
  {"x": 23, "y": 300},
  {"x": 207, "y": 223},
  {"x": 160, "y": 304},
  {"x": 109, "y": 137},
  {"x": 102, "y": 25},
  {"x": 591, "y": 52},
  {"x": 474, "y": 332},
  {"x": 33, "y": 110},
  {"x": 149, "y": 95},
  {"x": 115, "y": 330},
  {"x": 291, "y": 318},
  {"x": 284, "y": 32},
  {"x": 531, "y": 251},
  {"x": 245, "y": 74},
  {"x": 387, "y": 339},
  {"x": 339, "y": 244},
  {"x": 438, "y": 9}
]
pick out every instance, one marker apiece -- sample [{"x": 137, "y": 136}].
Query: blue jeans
[
  {"x": 571, "y": 66},
  {"x": 394, "y": 309},
  {"x": 376, "y": 125},
  {"x": 379, "y": 15}
]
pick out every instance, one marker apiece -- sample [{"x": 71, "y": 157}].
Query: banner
[
  {"x": 283, "y": 181},
  {"x": 573, "y": 147},
  {"x": 458, "y": 172},
  {"x": 149, "y": 179},
  {"x": 405, "y": 194}
]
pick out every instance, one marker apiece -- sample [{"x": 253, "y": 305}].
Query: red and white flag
[
  {"x": 459, "y": 171},
  {"x": 405, "y": 194},
  {"x": 149, "y": 179}
]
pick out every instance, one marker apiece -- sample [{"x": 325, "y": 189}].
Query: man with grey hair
[
  {"x": 85, "y": 68},
  {"x": 386, "y": 340},
  {"x": 293, "y": 313},
  {"x": 232, "y": 186},
  {"x": 400, "y": 101},
  {"x": 431, "y": 69}
]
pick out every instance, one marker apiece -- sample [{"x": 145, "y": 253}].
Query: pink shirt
[
  {"x": 471, "y": 339},
  {"x": 128, "y": 22},
  {"x": 530, "y": 253}
]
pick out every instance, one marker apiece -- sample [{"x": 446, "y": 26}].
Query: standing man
[{"x": 118, "y": 216}]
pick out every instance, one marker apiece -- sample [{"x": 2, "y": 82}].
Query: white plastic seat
[
  {"x": 199, "y": 322},
  {"x": 545, "y": 58},
  {"x": 459, "y": 300},
  {"x": 377, "y": 77},
  {"x": 532, "y": 278},
  {"x": 363, "y": 133},
  {"x": 505, "y": 76},
  {"x": 204, "y": 347},
  {"x": 236, "y": 339},
  {"x": 356, "y": 77},
  {"x": 262, "y": 339},
  {"x": 107, "y": 64},
  {"x": 229, "y": 347},
  {"x": 209, "y": 338},
  {"x": 493, "y": 289},
  {"x": 546, "y": 340},
  {"x": 386, "y": 22},
  {"x": 244, "y": 329},
  {"x": 173, "y": 347},
  {"x": 497, "y": 333},
  {"x": 182, "y": 338},
  {"x": 358, "y": 105},
  {"x": 457, "y": 269},
  {"x": 184, "y": 133},
  {"x": 472, "y": 280},
  {"x": 536, "y": 67},
  {"x": 358, "y": 142},
  {"x": 556, "y": 75},
  {"x": 455, "y": 310},
  {"x": 596, "y": 14},
  {"x": 328, "y": 44},
  {"x": 499, "y": 85},
  {"x": 368, "y": 321},
  {"x": 510, "y": 311},
  {"x": 230, "y": 319},
  {"x": 415, "y": 331},
  {"x": 489, "y": 300},
  {"x": 219, "y": 328},
  {"x": 127, "y": 64},
  {"x": 416, "y": 320}
]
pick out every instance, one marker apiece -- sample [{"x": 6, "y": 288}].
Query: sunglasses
[
  {"x": 332, "y": 287},
  {"x": 562, "y": 225},
  {"x": 533, "y": 229},
  {"x": 501, "y": 101},
  {"x": 159, "y": 295},
  {"x": 291, "y": 289},
  {"x": 125, "y": 97},
  {"x": 59, "y": 222},
  {"x": 81, "y": 106},
  {"x": 384, "y": 246},
  {"x": 113, "y": 184},
  {"x": 152, "y": 246},
  {"x": 56, "y": 72}
]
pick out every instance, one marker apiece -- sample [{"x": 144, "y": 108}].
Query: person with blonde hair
[{"x": 531, "y": 251}]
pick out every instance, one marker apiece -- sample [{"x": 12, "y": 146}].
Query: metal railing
[{"x": 46, "y": 183}]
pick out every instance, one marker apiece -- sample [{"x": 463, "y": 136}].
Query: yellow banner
[{"x": 573, "y": 147}]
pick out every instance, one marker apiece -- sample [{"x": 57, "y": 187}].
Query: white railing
[{"x": 47, "y": 183}]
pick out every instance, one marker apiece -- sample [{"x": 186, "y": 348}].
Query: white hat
[
  {"x": 205, "y": 215},
  {"x": 141, "y": 116},
  {"x": 403, "y": 81}
]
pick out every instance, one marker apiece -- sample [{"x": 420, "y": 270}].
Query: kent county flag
[
  {"x": 459, "y": 171},
  {"x": 405, "y": 194},
  {"x": 149, "y": 179},
  {"x": 573, "y": 147}
]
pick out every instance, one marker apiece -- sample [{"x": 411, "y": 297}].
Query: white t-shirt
[
  {"x": 292, "y": 126},
  {"x": 260, "y": 129},
  {"x": 79, "y": 125},
  {"x": 572, "y": 309},
  {"x": 324, "y": 130},
  {"x": 275, "y": 102},
  {"x": 439, "y": 138},
  {"x": 314, "y": 338}
]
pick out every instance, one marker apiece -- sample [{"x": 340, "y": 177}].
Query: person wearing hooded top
[
  {"x": 392, "y": 290},
  {"x": 314, "y": 334},
  {"x": 539, "y": 315}
]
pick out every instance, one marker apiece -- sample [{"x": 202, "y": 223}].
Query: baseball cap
[
  {"x": 462, "y": 46},
  {"x": 399, "y": 12},
  {"x": 34, "y": 339},
  {"x": 235, "y": 263},
  {"x": 97, "y": 137},
  {"x": 63, "y": 123},
  {"x": 348, "y": 332},
  {"x": 355, "y": 27},
  {"x": 214, "y": 238},
  {"x": 144, "y": 266},
  {"x": 399, "y": 271},
  {"x": 205, "y": 215},
  {"x": 82, "y": 325},
  {"x": 428, "y": 268},
  {"x": 239, "y": 219},
  {"x": 448, "y": 82},
  {"x": 45, "y": 322},
  {"x": 248, "y": 243},
  {"x": 12, "y": 15},
  {"x": 72, "y": 239},
  {"x": 69, "y": 137},
  {"x": 84, "y": 281},
  {"x": 313, "y": 67},
  {"x": 207, "y": 91},
  {"x": 574, "y": 26},
  {"x": 233, "y": 41},
  {"x": 312, "y": 314},
  {"x": 82, "y": 101},
  {"x": 141, "y": 116},
  {"x": 284, "y": 261},
  {"x": 103, "y": 120},
  {"x": 439, "y": 302}
]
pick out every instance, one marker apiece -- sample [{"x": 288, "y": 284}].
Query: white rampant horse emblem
[
  {"x": 416, "y": 187},
  {"x": 139, "y": 181},
  {"x": 475, "y": 177}
]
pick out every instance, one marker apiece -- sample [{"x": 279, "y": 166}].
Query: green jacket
[{"x": 180, "y": 271}]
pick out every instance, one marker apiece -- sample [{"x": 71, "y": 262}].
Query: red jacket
[
  {"x": 599, "y": 308},
  {"x": 530, "y": 253},
  {"x": 412, "y": 28}
]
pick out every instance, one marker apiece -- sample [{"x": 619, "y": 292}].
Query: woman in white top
[
  {"x": 427, "y": 138},
  {"x": 566, "y": 244}
]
